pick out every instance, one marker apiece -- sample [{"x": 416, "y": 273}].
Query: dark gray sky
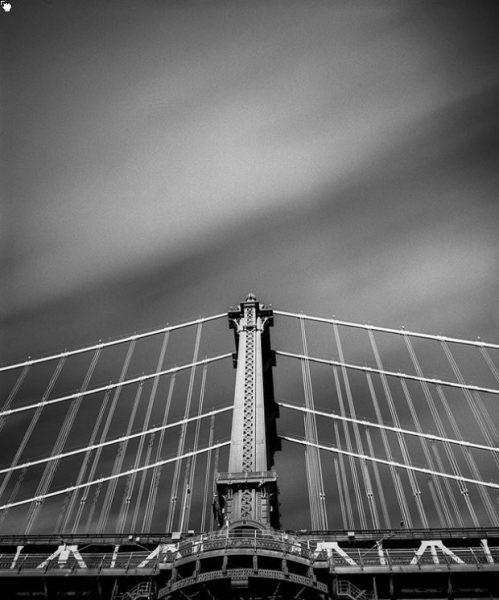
[{"x": 162, "y": 159}]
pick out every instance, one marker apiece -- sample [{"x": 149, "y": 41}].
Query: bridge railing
[
  {"x": 355, "y": 558},
  {"x": 314, "y": 548}
]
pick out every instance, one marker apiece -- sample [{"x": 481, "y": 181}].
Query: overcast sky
[
  {"x": 166, "y": 158},
  {"x": 162, "y": 159}
]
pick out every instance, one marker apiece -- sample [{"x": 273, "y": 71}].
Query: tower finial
[{"x": 251, "y": 297}]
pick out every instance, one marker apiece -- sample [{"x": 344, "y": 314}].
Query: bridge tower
[{"x": 247, "y": 493}]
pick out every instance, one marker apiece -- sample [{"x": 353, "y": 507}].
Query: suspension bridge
[{"x": 343, "y": 460}]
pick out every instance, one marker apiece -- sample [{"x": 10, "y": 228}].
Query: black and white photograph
[{"x": 249, "y": 309}]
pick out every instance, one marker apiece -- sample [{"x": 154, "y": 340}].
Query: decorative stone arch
[{"x": 250, "y": 525}]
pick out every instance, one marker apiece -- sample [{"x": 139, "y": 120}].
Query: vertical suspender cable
[
  {"x": 6, "y": 406},
  {"x": 207, "y": 474},
  {"x": 311, "y": 433},
  {"x": 490, "y": 363},
  {"x": 214, "y": 484},
  {"x": 125, "y": 505},
  {"x": 183, "y": 431},
  {"x": 13, "y": 393},
  {"x": 482, "y": 423},
  {"x": 360, "y": 448},
  {"x": 81, "y": 474},
  {"x": 441, "y": 430},
  {"x": 482, "y": 420},
  {"x": 480, "y": 403},
  {"x": 341, "y": 497},
  {"x": 462, "y": 485},
  {"x": 13, "y": 494},
  {"x": 414, "y": 484},
  {"x": 393, "y": 412},
  {"x": 397, "y": 483},
  {"x": 147, "y": 418},
  {"x": 50, "y": 468},
  {"x": 340, "y": 493},
  {"x": 196, "y": 443},
  {"x": 377, "y": 478},
  {"x": 117, "y": 466},
  {"x": 142, "y": 483},
  {"x": 311, "y": 471},
  {"x": 309, "y": 466},
  {"x": 33, "y": 422},
  {"x": 439, "y": 498},
  {"x": 486, "y": 416},
  {"x": 353, "y": 468},
  {"x": 93, "y": 506},
  {"x": 455, "y": 467},
  {"x": 156, "y": 475},
  {"x": 182, "y": 520},
  {"x": 450, "y": 493},
  {"x": 64, "y": 508},
  {"x": 151, "y": 498},
  {"x": 312, "y": 492},
  {"x": 107, "y": 425},
  {"x": 350, "y": 519},
  {"x": 489, "y": 506}
]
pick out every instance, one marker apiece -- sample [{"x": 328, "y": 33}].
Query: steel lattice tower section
[{"x": 248, "y": 493}]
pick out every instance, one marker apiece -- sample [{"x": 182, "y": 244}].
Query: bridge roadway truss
[
  {"x": 249, "y": 557},
  {"x": 255, "y": 563}
]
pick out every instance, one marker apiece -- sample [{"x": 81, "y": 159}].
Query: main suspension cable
[
  {"x": 367, "y": 423},
  {"x": 102, "y": 480},
  {"x": 397, "y": 374},
  {"x": 428, "y": 336},
  {"x": 383, "y": 461},
  {"x": 113, "y": 386},
  {"x": 118, "y": 440},
  {"x": 101, "y": 345}
]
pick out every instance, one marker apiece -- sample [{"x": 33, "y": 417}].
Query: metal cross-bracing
[{"x": 121, "y": 481}]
